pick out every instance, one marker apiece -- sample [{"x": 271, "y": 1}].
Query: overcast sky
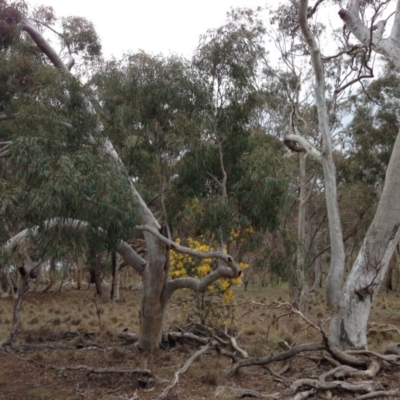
[{"x": 156, "y": 26}]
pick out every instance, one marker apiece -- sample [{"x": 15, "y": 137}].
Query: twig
[{"x": 166, "y": 391}]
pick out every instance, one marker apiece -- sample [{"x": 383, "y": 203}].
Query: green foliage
[
  {"x": 57, "y": 170},
  {"x": 373, "y": 130},
  {"x": 80, "y": 36},
  {"x": 10, "y": 16}
]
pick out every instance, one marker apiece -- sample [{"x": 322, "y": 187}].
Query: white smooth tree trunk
[
  {"x": 325, "y": 157},
  {"x": 351, "y": 305},
  {"x": 349, "y": 321},
  {"x": 348, "y": 326}
]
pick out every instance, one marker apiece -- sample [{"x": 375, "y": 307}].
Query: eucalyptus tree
[
  {"x": 222, "y": 168},
  {"x": 66, "y": 161},
  {"x": 351, "y": 304}
]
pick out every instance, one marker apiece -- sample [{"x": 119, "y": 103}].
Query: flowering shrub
[{"x": 218, "y": 300}]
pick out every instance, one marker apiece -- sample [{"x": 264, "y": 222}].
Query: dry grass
[{"x": 46, "y": 318}]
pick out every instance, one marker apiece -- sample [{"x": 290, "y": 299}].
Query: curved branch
[
  {"x": 226, "y": 258},
  {"x": 201, "y": 285},
  {"x": 43, "y": 45},
  {"x": 247, "y": 362},
  {"x": 22, "y": 238}
]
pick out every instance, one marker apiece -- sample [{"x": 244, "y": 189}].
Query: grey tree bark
[{"x": 351, "y": 304}]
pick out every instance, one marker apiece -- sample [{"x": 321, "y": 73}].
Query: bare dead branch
[
  {"x": 390, "y": 358},
  {"x": 188, "y": 335},
  {"x": 345, "y": 371},
  {"x": 277, "y": 357},
  {"x": 361, "y": 387},
  {"x": 239, "y": 349},
  {"x": 380, "y": 393},
  {"x": 181, "y": 371}
]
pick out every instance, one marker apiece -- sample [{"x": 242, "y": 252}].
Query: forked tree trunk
[{"x": 349, "y": 320}]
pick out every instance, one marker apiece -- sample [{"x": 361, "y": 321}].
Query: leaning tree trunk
[{"x": 349, "y": 320}]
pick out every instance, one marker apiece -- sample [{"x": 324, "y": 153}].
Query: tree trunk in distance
[
  {"x": 97, "y": 277},
  {"x": 52, "y": 272},
  {"x": 317, "y": 275},
  {"x": 115, "y": 277},
  {"x": 78, "y": 275}
]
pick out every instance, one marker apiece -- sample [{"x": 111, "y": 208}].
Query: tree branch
[
  {"x": 21, "y": 240},
  {"x": 43, "y": 45},
  {"x": 226, "y": 258},
  {"x": 305, "y": 144},
  {"x": 181, "y": 371},
  {"x": 276, "y": 357},
  {"x": 201, "y": 285}
]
